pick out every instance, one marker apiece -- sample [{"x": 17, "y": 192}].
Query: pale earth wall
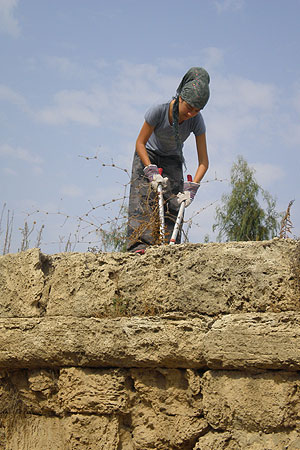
[{"x": 193, "y": 347}]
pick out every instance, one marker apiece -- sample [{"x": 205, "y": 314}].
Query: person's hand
[
  {"x": 152, "y": 173},
  {"x": 189, "y": 191}
]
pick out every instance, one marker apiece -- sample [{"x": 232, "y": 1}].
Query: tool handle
[
  {"x": 179, "y": 218},
  {"x": 161, "y": 210},
  {"x": 177, "y": 223},
  {"x": 159, "y": 187}
]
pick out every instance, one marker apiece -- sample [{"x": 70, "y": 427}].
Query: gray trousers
[{"x": 143, "y": 218}]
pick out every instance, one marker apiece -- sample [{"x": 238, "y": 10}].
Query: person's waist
[
  {"x": 169, "y": 154},
  {"x": 163, "y": 152}
]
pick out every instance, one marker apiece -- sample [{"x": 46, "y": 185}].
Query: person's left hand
[{"x": 189, "y": 191}]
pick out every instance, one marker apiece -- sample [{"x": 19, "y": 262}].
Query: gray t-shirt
[{"x": 162, "y": 140}]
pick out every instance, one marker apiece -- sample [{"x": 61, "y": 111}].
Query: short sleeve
[
  {"x": 154, "y": 115},
  {"x": 199, "y": 125}
]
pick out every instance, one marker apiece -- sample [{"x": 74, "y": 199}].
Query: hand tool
[
  {"x": 161, "y": 210},
  {"x": 179, "y": 218}
]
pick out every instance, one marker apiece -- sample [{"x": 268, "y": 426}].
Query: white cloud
[
  {"x": 241, "y": 108},
  {"x": 101, "y": 63},
  {"x": 266, "y": 174},
  {"x": 62, "y": 64},
  {"x": 213, "y": 57},
  {"x": 20, "y": 153},
  {"x": 9, "y": 95},
  {"x": 229, "y": 5},
  {"x": 238, "y": 106},
  {"x": 226, "y": 129},
  {"x": 69, "y": 68},
  {"x": 8, "y": 23},
  {"x": 243, "y": 94},
  {"x": 140, "y": 84},
  {"x": 71, "y": 190},
  {"x": 296, "y": 99},
  {"x": 37, "y": 170},
  {"x": 121, "y": 101},
  {"x": 290, "y": 132},
  {"x": 116, "y": 101},
  {"x": 9, "y": 171},
  {"x": 72, "y": 106}
]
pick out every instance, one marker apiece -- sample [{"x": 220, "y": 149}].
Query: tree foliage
[{"x": 240, "y": 217}]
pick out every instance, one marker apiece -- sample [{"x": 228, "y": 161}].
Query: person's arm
[
  {"x": 190, "y": 188},
  {"x": 202, "y": 158},
  {"x": 141, "y": 141}
]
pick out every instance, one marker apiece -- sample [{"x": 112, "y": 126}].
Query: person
[{"x": 160, "y": 145}]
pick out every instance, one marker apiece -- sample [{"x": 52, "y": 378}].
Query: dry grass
[{"x": 286, "y": 223}]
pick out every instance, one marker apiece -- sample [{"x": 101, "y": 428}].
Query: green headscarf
[{"x": 193, "y": 89}]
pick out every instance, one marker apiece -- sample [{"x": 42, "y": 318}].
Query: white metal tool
[
  {"x": 179, "y": 218},
  {"x": 161, "y": 210}
]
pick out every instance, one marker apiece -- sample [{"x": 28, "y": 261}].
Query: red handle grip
[
  {"x": 189, "y": 178},
  {"x": 160, "y": 171}
]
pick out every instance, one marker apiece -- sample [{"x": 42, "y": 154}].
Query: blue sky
[{"x": 77, "y": 77}]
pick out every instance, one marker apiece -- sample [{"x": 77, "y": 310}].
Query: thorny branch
[{"x": 89, "y": 224}]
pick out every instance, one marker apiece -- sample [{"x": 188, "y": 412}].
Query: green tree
[{"x": 240, "y": 217}]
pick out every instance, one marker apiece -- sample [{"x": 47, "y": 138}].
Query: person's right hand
[{"x": 152, "y": 173}]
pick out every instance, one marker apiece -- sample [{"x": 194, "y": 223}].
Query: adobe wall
[{"x": 190, "y": 347}]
